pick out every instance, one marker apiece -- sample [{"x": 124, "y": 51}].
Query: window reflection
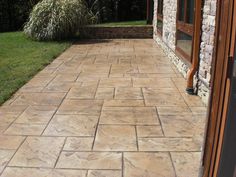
[{"x": 184, "y": 42}]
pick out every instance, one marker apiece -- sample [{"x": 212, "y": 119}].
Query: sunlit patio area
[{"x": 104, "y": 108}]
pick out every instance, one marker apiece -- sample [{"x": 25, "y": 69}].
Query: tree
[
  {"x": 14, "y": 13},
  {"x": 118, "y": 10}
]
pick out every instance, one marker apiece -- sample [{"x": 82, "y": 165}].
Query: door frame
[{"x": 218, "y": 106}]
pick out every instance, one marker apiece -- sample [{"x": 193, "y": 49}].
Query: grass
[
  {"x": 21, "y": 58},
  {"x": 126, "y": 23}
]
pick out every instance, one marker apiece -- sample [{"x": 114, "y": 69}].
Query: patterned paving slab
[{"x": 113, "y": 108}]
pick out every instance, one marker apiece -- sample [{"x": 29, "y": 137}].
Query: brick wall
[{"x": 93, "y": 32}]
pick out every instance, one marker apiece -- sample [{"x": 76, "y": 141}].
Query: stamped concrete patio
[{"x": 113, "y": 108}]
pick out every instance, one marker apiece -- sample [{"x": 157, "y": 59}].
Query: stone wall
[
  {"x": 154, "y": 22},
  {"x": 169, "y": 33},
  {"x": 167, "y": 41},
  {"x": 99, "y": 32},
  {"x": 169, "y": 22},
  {"x": 207, "y": 44},
  {"x": 207, "y": 48}
]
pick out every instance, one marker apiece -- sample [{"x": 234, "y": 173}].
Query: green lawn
[
  {"x": 21, "y": 58},
  {"x": 127, "y": 23}
]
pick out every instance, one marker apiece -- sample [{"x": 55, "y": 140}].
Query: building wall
[
  {"x": 167, "y": 41},
  {"x": 207, "y": 46},
  {"x": 169, "y": 22}
]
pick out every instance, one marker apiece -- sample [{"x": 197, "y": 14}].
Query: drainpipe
[{"x": 196, "y": 48}]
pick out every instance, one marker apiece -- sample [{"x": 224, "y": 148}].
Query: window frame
[
  {"x": 186, "y": 28},
  {"x": 160, "y": 15}
]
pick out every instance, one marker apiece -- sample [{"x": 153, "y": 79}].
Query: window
[
  {"x": 160, "y": 16},
  {"x": 185, "y": 28}
]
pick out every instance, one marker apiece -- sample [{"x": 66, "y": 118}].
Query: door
[
  {"x": 227, "y": 164},
  {"x": 220, "y": 147}
]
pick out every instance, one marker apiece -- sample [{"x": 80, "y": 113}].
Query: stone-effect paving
[{"x": 111, "y": 108}]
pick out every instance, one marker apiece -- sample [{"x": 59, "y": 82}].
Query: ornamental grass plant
[{"x": 57, "y": 19}]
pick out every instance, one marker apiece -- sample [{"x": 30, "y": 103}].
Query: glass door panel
[
  {"x": 181, "y": 10},
  {"x": 185, "y": 26},
  {"x": 160, "y": 16},
  {"x": 184, "y": 42},
  {"x": 228, "y": 155},
  {"x": 190, "y": 11}
]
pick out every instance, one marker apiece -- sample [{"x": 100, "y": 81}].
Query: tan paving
[{"x": 114, "y": 108}]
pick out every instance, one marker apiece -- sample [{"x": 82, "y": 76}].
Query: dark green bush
[
  {"x": 118, "y": 10},
  {"x": 14, "y": 13}
]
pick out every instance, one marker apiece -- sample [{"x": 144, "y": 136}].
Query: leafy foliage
[
  {"x": 118, "y": 10},
  {"x": 14, "y": 13},
  {"x": 57, "y": 19}
]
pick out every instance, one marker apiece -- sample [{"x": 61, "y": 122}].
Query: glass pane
[
  {"x": 190, "y": 11},
  {"x": 184, "y": 42},
  {"x": 160, "y": 7},
  {"x": 159, "y": 25},
  {"x": 181, "y": 10},
  {"x": 228, "y": 156}
]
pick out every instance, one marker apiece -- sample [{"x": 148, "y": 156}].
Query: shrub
[{"x": 57, "y": 19}]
